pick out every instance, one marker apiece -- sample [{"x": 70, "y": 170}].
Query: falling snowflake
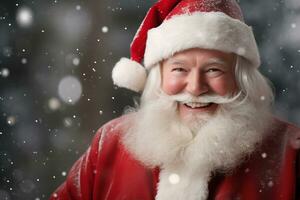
[
  {"x": 54, "y": 104},
  {"x": 68, "y": 122},
  {"x": 11, "y": 120},
  {"x": 241, "y": 51},
  {"x": 24, "y": 61},
  {"x": 262, "y": 98},
  {"x": 270, "y": 184},
  {"x": 4, "y": 72},
  {"x": 174, "y": 179},
  {"x": 104, "y": 29},
  {"x": 264, "y": 155},
  {"x": 76, "y": 61},
  {"x": 78, "y": 7}
]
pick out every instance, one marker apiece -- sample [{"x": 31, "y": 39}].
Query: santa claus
[{"x": 204, "y": 128}]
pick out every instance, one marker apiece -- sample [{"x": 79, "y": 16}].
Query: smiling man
[
  {"x": 199, "y": 72},
  {"x": 204, "y": 128}
]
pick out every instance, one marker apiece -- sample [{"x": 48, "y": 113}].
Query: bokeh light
[
  {"x": 24, "y": 17},
  {"x": 69, "y": 89}
]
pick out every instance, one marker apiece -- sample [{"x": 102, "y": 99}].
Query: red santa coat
[{"x": 108, "y": 171}]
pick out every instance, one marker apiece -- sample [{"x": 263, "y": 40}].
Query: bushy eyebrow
[
  {"x": 216, "y": 61},
  {"x": 177, "y": 61}
]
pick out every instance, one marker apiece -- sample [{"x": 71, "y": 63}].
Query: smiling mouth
[{"x": 195, "y": 105}]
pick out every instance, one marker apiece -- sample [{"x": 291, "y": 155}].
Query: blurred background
[{"x": 56, "y": 58}]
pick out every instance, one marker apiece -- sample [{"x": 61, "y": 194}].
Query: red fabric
[
  {"x": 107, "y": 171},
  {"x": 230, "y": 8},
  {"x": 154, "y": 17}
]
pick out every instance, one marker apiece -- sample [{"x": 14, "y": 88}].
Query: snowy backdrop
[{"x": 56, "y": 58}]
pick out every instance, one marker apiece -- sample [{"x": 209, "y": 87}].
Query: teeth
[{"x": 197, "y": 105}]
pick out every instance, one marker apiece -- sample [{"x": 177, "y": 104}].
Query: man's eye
[
  {"x": 214, "y": 72},
  {"x": 178, "y": 69}
]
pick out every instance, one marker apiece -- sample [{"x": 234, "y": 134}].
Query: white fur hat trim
[
  {"x": 129, "y": 74},
  {"x": 211, "y": 30}
]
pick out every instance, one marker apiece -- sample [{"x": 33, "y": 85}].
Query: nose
[{"x": 196, "y": 84}]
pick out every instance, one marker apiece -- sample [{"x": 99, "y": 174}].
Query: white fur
[
  {"x": 129, "y": 74},
  {"x": 211, "y": 30},
  {"x": 157, "y": 137}
]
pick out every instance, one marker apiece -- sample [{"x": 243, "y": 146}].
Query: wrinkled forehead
[{"x": 207, "y": 55}]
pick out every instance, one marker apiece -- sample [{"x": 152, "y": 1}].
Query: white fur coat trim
[
  {"x": 177, "y": 183},
  {"x": 212, "y": 30}
]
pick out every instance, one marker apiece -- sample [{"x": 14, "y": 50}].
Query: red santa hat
[{"x": 172, "y": 26}]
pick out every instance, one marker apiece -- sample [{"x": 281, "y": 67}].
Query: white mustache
[{"x": 188, "y": 98}]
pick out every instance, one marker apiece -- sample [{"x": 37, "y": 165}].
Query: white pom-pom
[{"x": 129, "y": 74}]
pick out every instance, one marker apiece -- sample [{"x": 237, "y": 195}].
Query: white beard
[{"x": 157, "y": 137}]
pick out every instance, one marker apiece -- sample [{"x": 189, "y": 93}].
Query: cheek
[
  {"x": 171, "y": 85},
  {"x": 223, "y": 86}
]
